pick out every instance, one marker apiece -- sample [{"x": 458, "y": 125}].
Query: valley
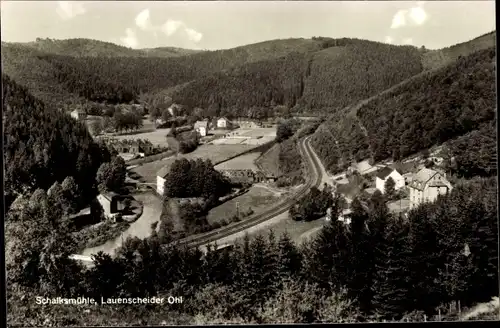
[{"x": 325, "y": 169}]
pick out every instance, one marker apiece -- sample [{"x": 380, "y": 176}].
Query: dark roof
[
  {"x": 384, "y": 173},
  {"x": 109, "y": 195},
  {"x": 163, "y": 171}
]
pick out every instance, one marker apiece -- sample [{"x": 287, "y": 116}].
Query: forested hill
[
  {"x": 318, "y": 75},
  {"x": 42, "y": 145},
  {"x": 58, "y": 76},
  {"x": 94, "y": 48},
  {"x": 437, "y": 58},
  {"x": 347, "y": 70},
  {"x": 426, "y": 111}
]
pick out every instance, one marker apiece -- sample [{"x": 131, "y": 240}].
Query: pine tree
[
  {"x": 289, "y": 259},
  {"x": 390, "y": 285},
  {"x": 361, "y": 266},
  {"x": 426, "y": 261},
  {"x": 328, "y": 264}
]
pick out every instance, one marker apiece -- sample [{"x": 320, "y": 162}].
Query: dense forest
[
  {"x": 43, "y": 145},
  {"x": 380, "y": 267},
  {"x": 324, "y": 81},
  {"x": 95, "y": 48},
  {"x": 43, "y": 67},
  {"x": 475, "y": 153},
  {"x": 427, "y": 111},
  {"x": 319, "y": 74}
]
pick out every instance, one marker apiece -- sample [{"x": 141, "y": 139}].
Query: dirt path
[{"x": 141, "y": 228}]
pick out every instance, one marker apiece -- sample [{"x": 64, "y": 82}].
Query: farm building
[
  {"x": 160, "y": 179},
  {"x": 223, "y": 123},
  {"x": 384, "y": 174},
  {"x": 79, "y": 114},
  {"x": 427, "y": 185},
  {"x": 201, "y": 127},
  {"x": 110, "y": 203}
]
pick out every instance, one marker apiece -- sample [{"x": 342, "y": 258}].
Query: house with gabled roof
[
  {"x": 384, "y": 174},
  {"x": 201, "y": 127},
  {"x": 223, "y": 123},
  {"x": 427, "y": 185}
]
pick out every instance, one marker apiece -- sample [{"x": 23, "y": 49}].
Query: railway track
[{"x": 313, "y": 179}]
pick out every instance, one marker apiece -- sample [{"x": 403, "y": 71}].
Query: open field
[
  {"x": 240, "y": 163},
  {"x": 258, "y": 141},
  {"x": 148, "y": 131},
  {"x": 257, "y": 132},
  {"x": 256, "y": 136},
  {"x": 258, "y": 198},
  {"x": 157, "y": 137},
  {"x": 215, "y": 153}
]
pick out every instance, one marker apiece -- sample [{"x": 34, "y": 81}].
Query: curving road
[{"x": 314, "y": 178}]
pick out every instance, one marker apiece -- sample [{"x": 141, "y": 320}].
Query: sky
[{"x": 226, "y": 24}]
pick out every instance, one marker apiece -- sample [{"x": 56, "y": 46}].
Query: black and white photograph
[{"x": 173, "y": 163}]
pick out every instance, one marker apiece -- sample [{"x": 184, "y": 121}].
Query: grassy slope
[{"x": 269, "y": 161}]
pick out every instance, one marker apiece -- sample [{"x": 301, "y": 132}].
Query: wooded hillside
[
  {"x": 429, "y": 110},
  {"x": 95, "y": 48},
  {"x": 42, "y": 145},
  {"x": 319, "y": 74}
]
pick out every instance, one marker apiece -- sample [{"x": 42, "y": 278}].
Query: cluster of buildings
[
  {"x": 202, "y": 127},
  {"x": 424, "y": 186}
]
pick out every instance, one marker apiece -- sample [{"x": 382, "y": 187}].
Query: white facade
[
  {"x": 427, "y": 186},
  {"x": 78, "y": 115},
  {"x": 222, "y": 123},
  {"x": 202, "y": 131},
  {"x": 399, "y": 181},
  {"x": 160, "y": 185}
]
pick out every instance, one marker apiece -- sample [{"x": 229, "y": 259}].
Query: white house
[
  {"x": 223, "y": 123},
  {"x": 78, "y": 114},
  {"x": 160, "y": 179},
  {"x": 201, "y": 127},
  {"x": 384, "y": 174},
  {"x": 345, "y": 216},
  {"x": 110, "y": 203},
  {"x": 427, "y": 185}
]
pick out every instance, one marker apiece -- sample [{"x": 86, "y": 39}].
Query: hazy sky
[{"x": 226, "y": 24}]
